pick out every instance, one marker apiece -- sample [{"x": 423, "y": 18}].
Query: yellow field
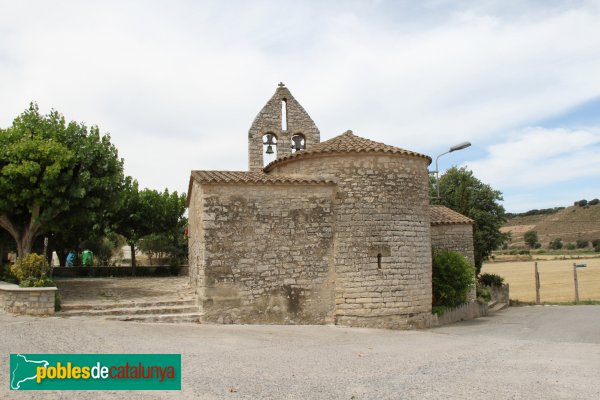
[{"x": 556, "y": 279}]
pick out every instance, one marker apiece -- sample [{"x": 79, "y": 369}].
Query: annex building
[{"x": 333, "y": 232}]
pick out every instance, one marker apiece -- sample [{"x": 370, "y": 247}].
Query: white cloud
[
  {"x": 179, "y": 84},
  {"x": 536, "y": 157}
]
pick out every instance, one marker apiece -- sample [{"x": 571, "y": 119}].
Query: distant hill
[{"x": 569, "y": 224}]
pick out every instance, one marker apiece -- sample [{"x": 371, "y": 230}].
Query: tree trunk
[
  {"x": 24, "y": 238},
  {"x": 132, "y": 246}
]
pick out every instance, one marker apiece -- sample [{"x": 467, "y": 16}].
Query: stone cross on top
[{"x": 281, "y": 84}]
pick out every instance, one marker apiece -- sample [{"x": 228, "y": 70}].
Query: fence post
[
  {"x": 537, "y": 284},
  {"x": 576, "y": 283}
]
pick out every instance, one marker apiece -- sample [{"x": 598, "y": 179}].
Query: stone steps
[
  {"x": 131, "y": 304},
  {"x": 194, "y": 318},
  {"x": 130, "y": 311},
  {"x": 497, "y": 307},
  {"x": 169, "y": 310}
]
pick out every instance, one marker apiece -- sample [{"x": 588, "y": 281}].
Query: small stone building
[{"x": 334, "y": 232}]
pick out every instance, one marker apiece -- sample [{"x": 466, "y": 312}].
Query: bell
[
  {"x": 297, "y": 145},
  {"x": 269, "y": 149}
]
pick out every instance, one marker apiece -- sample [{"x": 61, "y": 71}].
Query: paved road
[{"x": 520, "y": 353}]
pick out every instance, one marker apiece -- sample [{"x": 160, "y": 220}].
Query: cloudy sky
[{"x": 178, "y": 83}]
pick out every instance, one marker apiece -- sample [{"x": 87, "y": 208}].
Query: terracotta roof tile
[
  {"x": 442, "y": 215},
  {"x": 250, "y": 177},
  {"x": 347, "y": 143}
]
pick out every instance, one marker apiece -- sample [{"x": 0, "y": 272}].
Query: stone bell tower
[{"x": 281, "y": 128}]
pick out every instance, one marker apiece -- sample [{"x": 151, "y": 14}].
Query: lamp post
[{"x": 456, "y": 147}]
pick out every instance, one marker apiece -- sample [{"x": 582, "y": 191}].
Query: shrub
[
  {"x": 491, "y": 280},
  {"x": 33, "y": 267},
  {"x": 570, "y": 246},
  {"x": 531, "y": 238},
  {"x": 593, "y": 202},
  {"x": 582, "y": 203},
  {"x": 556, "y": 244},
  {"x": 6, "y": 275},
  {"x": 582, "y": 243},
  {"x": 484, "y": 294},
  {"x": 596, "y": 244},
  {"x": 453, "y": 277}
]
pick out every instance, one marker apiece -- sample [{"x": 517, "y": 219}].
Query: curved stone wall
[{"x": 382, "y": 250}]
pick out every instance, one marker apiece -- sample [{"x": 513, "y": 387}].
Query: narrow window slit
[{"x": 284, "y": 115}]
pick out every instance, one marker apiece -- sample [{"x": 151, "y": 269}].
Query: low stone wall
[
  {"x": 464, "y": 312},
  {"x": 155, "y": 270},
  {"x": 500, "y": 294},
  {"x": 30, "y": 301}
]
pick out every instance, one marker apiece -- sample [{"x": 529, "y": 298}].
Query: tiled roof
[
  {"x": 442, "y": 215},
  {"x": 249, "y": 177},
  {"x": 347, "y": 143}
]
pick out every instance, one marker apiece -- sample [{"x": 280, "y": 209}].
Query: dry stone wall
[
  {"x": 382, "y": 253},
  {"x": 263, "y": 252}
]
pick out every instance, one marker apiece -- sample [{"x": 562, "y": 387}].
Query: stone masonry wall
[
  {"x": 268, "y": 120},
  {"x": 267, "y": 254},
  {"x": 455, "y": 237},
  {"x": 382, "y": 246},
  {"x": 30, "y": 301}
]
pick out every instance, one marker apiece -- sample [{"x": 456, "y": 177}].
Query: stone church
[{"x": 333, "y": 232}]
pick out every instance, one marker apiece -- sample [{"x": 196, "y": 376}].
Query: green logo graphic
[{"x": 95, "y": 371}]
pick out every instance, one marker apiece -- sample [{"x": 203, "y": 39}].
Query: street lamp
[{"x": 456, "y": 147}]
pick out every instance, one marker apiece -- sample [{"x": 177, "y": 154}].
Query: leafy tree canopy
[
  {"x": 51, "y": 170},
  {"x": 149, "y": 212},
  {"x": 461, "y": 191}
]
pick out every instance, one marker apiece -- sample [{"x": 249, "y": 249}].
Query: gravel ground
[
  {"x": 520, "y": 353},
  {"x": 122, "y": 289}
]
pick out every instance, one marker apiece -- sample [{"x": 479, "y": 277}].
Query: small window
[{"x": 379, "y": 261}]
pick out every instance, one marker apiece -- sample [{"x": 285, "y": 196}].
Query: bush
[
  {"x": 582, "y": 243},
  {"x": 6, "y": 275},
  {"x": 596, "y": 244},
  {"x": 570, "y": 246},
  {"x": 484, "y": 294},
  {"x": 453, "y": 277},
  {"x": 556, "y": 244},
  {"x": 593, "y": 202},
  {"x": 582, "y": 203},
  {"x": 491, "y": 280},
  {"x": 531, "y": 238},
  {"x": 32, "y": 268}
]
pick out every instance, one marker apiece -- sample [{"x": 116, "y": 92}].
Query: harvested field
[{"x": 556, "y": 279}]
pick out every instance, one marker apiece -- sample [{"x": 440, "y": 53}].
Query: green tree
[
  {"x": 531, "y": 238},
  {"x": 149, "y": 212},
  {"x": 52, "y": 170},
  {"x": 461, "y": 191}
]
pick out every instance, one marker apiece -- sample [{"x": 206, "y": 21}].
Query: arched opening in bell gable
[
  {"x": 269, "y": 147},
  {"x": 298, "y": 142}
]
